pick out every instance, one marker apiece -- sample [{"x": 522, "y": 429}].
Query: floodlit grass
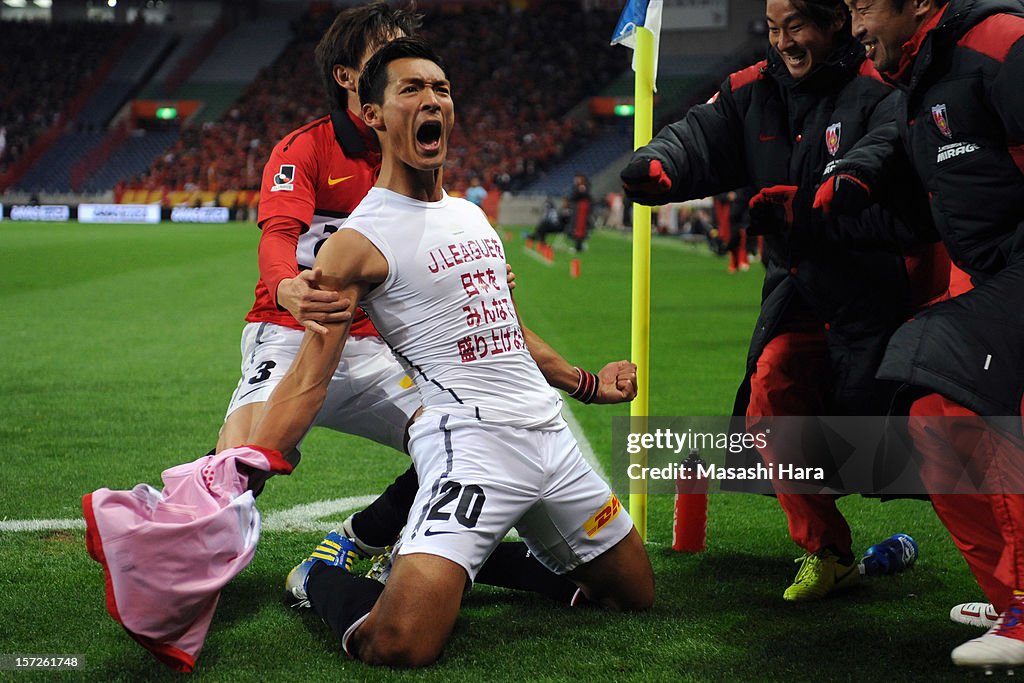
[{"x": 120, "y": 350}]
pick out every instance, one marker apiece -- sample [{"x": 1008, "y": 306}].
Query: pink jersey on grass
[{"x": 167, "y": 554}]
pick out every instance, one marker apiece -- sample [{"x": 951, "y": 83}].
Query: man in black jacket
[
  {"x": 959, "y": 65},
  {"x": 827, "y": 309}
]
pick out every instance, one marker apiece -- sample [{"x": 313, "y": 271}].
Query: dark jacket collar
[
  {"x": 841, "y": 66},
  {"x": 943, "y": 31},
  {"x": 912, "y": 47},
  {"x": 353, "y": 135}
]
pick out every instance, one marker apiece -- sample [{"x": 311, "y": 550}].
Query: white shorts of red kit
[{"x": 370, "y": 394}]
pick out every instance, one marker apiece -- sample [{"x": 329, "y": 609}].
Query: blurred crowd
[
  {"x": 43, "y": 68},
  {"x": 515, "y": 87}
]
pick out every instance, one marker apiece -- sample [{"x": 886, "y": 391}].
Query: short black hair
[
  {"x": 374, "y": 79},
  {"x": 352, "y": 32},
  {"x": 823, "y": 13},
  {"x": 897, "y": 5}
]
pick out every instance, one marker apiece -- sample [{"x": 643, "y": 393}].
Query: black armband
[{"x": 586, "y": 391}]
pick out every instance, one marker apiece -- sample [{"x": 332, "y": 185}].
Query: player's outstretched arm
[
  {"x": 349, "y": 264},
  {"x": 294, "y": 403},
  {"x": 295, "y": 291},
  {"x": 311, "y": 305},
  {"x": 615, "y": 383}
]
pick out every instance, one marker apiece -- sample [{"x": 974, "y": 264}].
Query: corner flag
[
  {"x": 637, "y": 13},
  {"x": 639, "y": 28}
]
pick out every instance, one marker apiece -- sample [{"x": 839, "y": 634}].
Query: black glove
[
  {"x": 645, "y": 178},
  {"x": 771, "y": 210},
  {"x": 842, "y": 194}
]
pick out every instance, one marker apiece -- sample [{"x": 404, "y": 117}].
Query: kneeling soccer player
[{"x": 491, "y": 449}]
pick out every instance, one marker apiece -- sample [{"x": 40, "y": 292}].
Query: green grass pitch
[{"x": 120, "y": 350}]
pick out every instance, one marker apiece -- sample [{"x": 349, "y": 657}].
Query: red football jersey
[{"x": 315, "y": 177}]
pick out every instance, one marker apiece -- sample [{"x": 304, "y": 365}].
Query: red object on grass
[{"x": 690, "y": 519}]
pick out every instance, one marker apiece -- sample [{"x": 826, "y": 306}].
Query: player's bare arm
[
  {"x": 616, "y": 382},
  {"x": 349, "y": 265},
  {"x": 295, "y": 290},
  {"x": 311, "y": 305}
]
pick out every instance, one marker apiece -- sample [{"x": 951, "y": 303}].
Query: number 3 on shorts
[
  {"x": 471, "y": 502},
  {"x": 262, "y": 372}
]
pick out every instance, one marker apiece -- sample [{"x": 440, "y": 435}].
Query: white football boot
[
  {"x": 980, "y": 614},
  {"x": 1002, "y": 646}
]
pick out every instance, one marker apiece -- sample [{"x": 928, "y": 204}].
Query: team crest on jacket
[
  {"x": 941, "y": 122},
  {"x": 283, "y": 178},
  {"x": 832, "y": 134}
]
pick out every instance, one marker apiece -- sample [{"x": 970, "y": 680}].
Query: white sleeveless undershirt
[{"x": 446, "y": 311}]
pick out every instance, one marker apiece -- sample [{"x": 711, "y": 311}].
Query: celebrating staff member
[
  {"x": 827, "y": 308},
  {"x": 960, "y": 68}
]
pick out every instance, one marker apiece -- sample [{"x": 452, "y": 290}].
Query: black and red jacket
[
  {"x": 960, "y": 121},
  {"x": 764, "y": 128}
]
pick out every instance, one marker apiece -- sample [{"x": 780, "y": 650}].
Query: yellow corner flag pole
[{"x": 643, "y": 125}]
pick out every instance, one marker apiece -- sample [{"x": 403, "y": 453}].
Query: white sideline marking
[
  {"x": 299, "y": 518},
  {"x": 41, "y": 524},
  {"x": 581, "y": 439},
  {"x": 663, "y": 242},
  {"x": 303, "y": 517},
  {"x": 537, "y": 257}
]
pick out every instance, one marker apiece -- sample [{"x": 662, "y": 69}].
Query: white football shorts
[
  {"x": 370, "y": 394},
  {"x": 478, "y": 480}
]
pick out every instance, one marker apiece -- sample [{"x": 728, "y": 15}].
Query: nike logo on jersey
[
  {"x": 767, "y": 138},
  {"x": 334, "y": 181},
  {"x": 431, "y": 532}
]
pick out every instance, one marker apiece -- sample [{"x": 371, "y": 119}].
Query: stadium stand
[
  {"x": 524, "y": 120},
  {"x": 139, "y": 62},
  {"x": 129, "y": 159},
  {"x": 75, "y": 155},
  {"x": 682, "y": 83},
  {"x": 233, "y": 63},
  {"x": 515, "y": 125},
  {"x": 589, "y": 160},
  {"x": 52, "y": 172},
  {"x": 196, "y": 48},
  {"x": 228, "y": 66},
  {"x": 40, "y": 93}
]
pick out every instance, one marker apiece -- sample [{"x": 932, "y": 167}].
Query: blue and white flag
[{"x": 646, "y": 13}]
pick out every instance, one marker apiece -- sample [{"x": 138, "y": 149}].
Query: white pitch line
[
  {"x": 581, "y": 439},
  {"x": 299, "y": 518},
  {"x": 41, "y": 524},
  {"x": 537, "y": 257},
  {"x": 303, "y": 517}
]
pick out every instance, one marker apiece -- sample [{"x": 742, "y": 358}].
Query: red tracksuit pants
[
  {"x": 791, "y": 379},
  {"x": 986, "y": 520}
]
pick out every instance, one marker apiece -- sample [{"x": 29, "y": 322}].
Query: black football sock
[
  {"x": 844, "y": 558},
  {"x": 511, "y": 565},
  {"x": 382, "y": 520},
  {"x": 340, "y": 598}
]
